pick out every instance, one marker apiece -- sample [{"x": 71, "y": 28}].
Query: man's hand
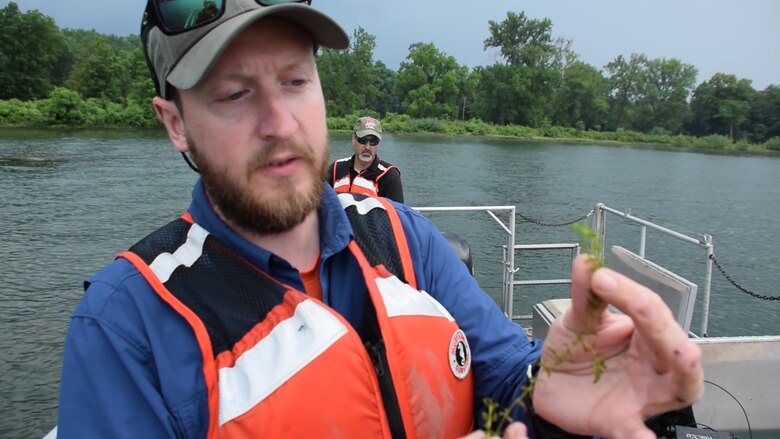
[{"x": 651, "y": 365}]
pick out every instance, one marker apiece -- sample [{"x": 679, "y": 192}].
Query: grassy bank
[{"x": 394, "y": 123}]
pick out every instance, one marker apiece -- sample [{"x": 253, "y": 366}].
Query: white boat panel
[{"x": 740, "y": 373}]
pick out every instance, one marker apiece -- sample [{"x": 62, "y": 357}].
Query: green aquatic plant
[
  {"x": 593, "y": 246},
  {"x": 496, "y": 419}
]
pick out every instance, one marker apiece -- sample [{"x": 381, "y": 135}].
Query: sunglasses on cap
[
  {"x": 177, "y": 16},
  {"x": 373, "y": 141}
]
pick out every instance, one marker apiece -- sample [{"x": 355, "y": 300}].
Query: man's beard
[
  {"x": 366, "y": 157},
  {"x": 240, "y": 207}
]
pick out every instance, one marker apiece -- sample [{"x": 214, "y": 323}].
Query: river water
[{"x": 73, "y": 200}]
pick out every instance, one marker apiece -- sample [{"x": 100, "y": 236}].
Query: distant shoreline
[{"x": 719, "y": 144}]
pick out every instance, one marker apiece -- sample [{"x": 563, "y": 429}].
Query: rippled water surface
[{"x": 73, "y": 200}]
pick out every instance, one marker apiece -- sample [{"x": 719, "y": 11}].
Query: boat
[{"x": 740, "y": 380}]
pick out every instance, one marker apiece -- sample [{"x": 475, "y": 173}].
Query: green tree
[
  {"x": 332, "y": 67},
  {"x": 469, "y": 95},
  {"x": 522, "y": 41},
  {"x": 582, "y": 98},
  {"x": 346, "y": 76},
  {"x": 430, "y": 82},
  {"x": 733, "y": 112},
  {"x": 721, "y": 106},
  {"x": 664, "y": 99},
  {"x": 32, "y": 51},
  {"x": 528, "y": 47},
  {"x": 138, "y": 89},
  {"x": 501, "y": 90},
  {"x": 138, "y": 86},
  {"x": 386, "y": 100},
  {"x": 98, "y": 74},
  {"x": 81, "y": 43},
  {"x": 764, "y": 118},
  {"x": 63, "y": 107},
  {"x": 626, "y": 87},
  {"x": 515, "y": 94}
]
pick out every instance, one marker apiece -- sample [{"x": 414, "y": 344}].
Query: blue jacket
[{"x": 132, "y": 366}]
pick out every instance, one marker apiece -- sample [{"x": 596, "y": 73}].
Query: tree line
[{"x": 540, "y": 87}]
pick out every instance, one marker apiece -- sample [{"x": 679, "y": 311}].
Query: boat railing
[
  {"x": 704, "y": 242},
  {"x": 508, "y": 259},
  {"x": 574, "y": 248},
  {"x": 598, "y": 219}
]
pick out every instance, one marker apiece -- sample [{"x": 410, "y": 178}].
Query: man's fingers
[
  {"x": 669, "y": 344},
  {"x": 653, "y": 319},
  {"x": 690, "y": 385},
  {"x": 582, "y": 272}
]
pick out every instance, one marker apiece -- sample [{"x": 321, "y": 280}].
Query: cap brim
[
  {"x": 199, "y": 59},
  {"x": 364, "y": 133}
]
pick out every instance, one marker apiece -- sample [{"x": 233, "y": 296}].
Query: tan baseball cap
[
  {"x": 366, "y": 126},
  {"x": 183, "y": 59}
]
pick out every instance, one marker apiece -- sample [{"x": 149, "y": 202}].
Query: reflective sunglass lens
[
  {"x": 372, "y": 141},
  {"x": 183, "y": 15},
  {"x": 178, "y": 15}
]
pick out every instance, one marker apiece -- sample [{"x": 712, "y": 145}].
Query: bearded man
[{"x": 274, "y": 307}]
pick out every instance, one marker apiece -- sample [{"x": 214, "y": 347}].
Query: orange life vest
[
  {"x": 366, "y": 183},
  {"x": 280, "y": 364}
]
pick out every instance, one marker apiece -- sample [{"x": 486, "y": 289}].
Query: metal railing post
[
  {"x": 707, "y": 286},
  {"x": 504, "y": 279},
  {"x": 600, "y": 224},
  {"x": 508, "y": 307},
  {"x": 507, "y": 289}
]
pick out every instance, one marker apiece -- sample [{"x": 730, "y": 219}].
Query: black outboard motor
[{"x": 461, "y": 248}]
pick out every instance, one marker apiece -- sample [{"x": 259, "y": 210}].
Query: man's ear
[{"x": 168, "y": 113}]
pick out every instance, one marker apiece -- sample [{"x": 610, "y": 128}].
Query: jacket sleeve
[
  {"x": 501, "y": 351},
  {"x": 112, "y": 383},
  {"x": 390, "y": 185}
]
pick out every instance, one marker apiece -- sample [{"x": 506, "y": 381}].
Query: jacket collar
[{"x": 335, "y": 229}]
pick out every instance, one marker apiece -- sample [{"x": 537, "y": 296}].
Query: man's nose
[{"x": 277, "y": 120}]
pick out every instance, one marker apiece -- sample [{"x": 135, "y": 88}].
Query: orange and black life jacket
[
  {"x": 278, "y": 363},
  {"x": 365, "y": 182}
]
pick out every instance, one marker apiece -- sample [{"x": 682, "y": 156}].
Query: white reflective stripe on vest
[
  {"x": 363, "y": 206},
  {"x": 341, "y": 182},
  {"x": 402, "y": 300},
  {"x": 365, "y": 183},
  {"x": 291, "y": 346},
  {"x": 165, "y": 264}
]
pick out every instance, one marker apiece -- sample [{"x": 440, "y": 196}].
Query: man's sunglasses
[
  {"x": 177, "y": 16},
  {"x": 373, "y": 141}
]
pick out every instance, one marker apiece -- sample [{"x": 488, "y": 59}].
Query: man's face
[
  {"x": 365, "y": 152},
  {"x": 257, "y": 130}
]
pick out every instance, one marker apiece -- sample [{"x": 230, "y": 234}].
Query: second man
[{"x": 364, "y": 172}]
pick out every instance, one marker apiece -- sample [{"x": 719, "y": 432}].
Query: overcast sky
[{"x": 739, "y": 37}]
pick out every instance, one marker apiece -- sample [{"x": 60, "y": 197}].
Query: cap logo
[
  {"x": 460, "y": 355},
  {"x": 370, "y": 124}
]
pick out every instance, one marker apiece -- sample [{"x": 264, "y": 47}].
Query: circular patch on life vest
[{"x": 460, "y": 355}]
